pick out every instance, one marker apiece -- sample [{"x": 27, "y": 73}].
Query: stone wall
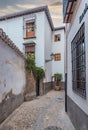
[
  {"x": 62, "y": 85},
  {"x": 48, "y": 87},
  {"x": 12, "y": 76},
  {"x": 30, "y": 89}
]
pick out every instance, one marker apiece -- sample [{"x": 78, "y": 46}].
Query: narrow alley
[{"x": 44, "y": 113}]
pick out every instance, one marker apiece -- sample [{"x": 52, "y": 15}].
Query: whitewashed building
[
  {"x": 33, "y": 31},
  {"x": 76, "y": 19}
]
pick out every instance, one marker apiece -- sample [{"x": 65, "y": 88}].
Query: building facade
[
  {"x": 33, "y": 32},
  {"x": 76, "y": 19},
  {"x": 58, "y": 41}
]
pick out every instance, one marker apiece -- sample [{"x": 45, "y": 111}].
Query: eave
[{"x": 68, "y": 12}]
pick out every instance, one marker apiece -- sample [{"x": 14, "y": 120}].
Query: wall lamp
[{"x": 51, "y": 58}]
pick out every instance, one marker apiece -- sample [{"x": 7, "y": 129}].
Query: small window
[
  {"x": 57, "y": 57},
  {"x": 30, "y": 29},
  {"x": 57, "y": 37}
]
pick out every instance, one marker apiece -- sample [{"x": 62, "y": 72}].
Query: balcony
[{"x": 68, "y": 9}]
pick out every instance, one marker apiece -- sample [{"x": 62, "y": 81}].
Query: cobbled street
[{"x": 44, "y": 113}]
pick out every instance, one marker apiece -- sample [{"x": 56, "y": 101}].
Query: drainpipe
[
  {"x": 66, "y": 69},
  {"x": 65, "y": 92}
]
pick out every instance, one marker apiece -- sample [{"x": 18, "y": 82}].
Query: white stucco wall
[
  {"x": 40, "y": 39},
  {"x": 81, "y": 102},
  {"x": 12, "y": 71},
  {"x": 58, "y": 47},
  {"x": 47, "y": 49},
  {"x": 14, "y": 29}
]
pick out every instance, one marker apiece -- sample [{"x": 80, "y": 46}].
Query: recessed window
[
  {"x": 30, "y": 29},
  {"x": 30, "y": 49},
  {"x": 57, "y": 57},
  {"x": 57, "y": 37},
  {"x": 79, "y": 62}
]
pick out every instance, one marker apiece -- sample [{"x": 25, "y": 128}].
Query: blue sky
[{"x": 55, "y": 7}]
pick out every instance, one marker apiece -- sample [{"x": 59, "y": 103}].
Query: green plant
[
  {"x": 58, "y": 76},
  {"x": 30, "y": 63},
  {"x": 38, "y": 72}
]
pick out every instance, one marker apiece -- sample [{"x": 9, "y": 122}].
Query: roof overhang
[
  {"x": 30, "y": 11},
  {"x": 69, "y": 9}
]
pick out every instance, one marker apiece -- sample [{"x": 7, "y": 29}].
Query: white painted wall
[
  {"x": 12, "y": 71},
  {"x": 40, "y": 39},
  {"x": 82, "y": 103},
  {"x": 14, "y": 29},
  {"x": 47, "y": 49},
  {"x": 58, "y": 47}
]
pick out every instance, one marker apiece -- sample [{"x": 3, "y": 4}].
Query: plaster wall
[{"x": 81, "y": 102}]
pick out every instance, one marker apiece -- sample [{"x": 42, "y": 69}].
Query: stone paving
[{"x": 44, "y": 113}]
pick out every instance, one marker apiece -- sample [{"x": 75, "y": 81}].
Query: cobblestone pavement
[{"x": 44, "y": 113}]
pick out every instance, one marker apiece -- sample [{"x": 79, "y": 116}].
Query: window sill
[
  {"x": 29, "y": 37},
  {"x": 79, "y": 93},
  {"x": 57, "y": 41},
  {"x": 57, "y": 60}
]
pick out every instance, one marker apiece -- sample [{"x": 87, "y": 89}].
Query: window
[
  {"x": 57, "y": 37},
  {"x": 30, "y": 49},
  {"x": 57, "y": 57},
  {"x": 79, "y": 63},
  {"x": 30, "y": 29}
]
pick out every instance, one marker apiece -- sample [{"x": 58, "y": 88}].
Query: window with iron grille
[{"x": 79, "y": 62}]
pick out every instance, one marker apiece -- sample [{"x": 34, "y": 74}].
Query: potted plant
[{"x": 57, "y": 79}]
